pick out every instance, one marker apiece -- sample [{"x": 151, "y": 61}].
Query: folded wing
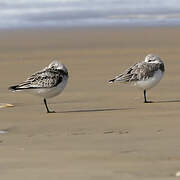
[
  {"x": 46, "y": 78},
  {"x": 139, "y": 71}
]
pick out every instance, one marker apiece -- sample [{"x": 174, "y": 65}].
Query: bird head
[
  {"x": 58, "y": 65},
  {"x": 151, "y": 58}
]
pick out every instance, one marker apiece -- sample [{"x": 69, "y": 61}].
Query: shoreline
[{"x": 90, "y": 27}]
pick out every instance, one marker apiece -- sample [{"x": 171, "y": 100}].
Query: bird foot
[
  {"x": 148, "y": 101},
  {"x": 51, "y": 111}
]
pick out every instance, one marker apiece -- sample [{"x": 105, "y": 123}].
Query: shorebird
[
  {"x": 144, "y": 75},
  {"x": 46, "y": 83}
]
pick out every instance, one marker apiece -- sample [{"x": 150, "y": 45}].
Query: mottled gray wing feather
[
  {"x": 139, "y": 71},
  {"x": 46, "y": 78}
]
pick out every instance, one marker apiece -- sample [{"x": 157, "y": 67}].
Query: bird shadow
[
  {"x": 95, "y": 110},
  {"x": 167, "y": 101}
]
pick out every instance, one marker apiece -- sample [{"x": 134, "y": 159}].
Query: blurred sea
[{"x": 84, "y": 13}]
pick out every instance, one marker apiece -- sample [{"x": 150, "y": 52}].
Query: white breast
[{"x": 151, "y": 82}]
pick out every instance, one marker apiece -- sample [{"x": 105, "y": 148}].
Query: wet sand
[{"x": 100, "y": 131}]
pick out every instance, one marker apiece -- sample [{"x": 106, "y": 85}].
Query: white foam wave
[{"x": 36, "y": 13}]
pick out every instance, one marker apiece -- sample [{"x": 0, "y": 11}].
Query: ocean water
[{"x": 76, "y": 13}]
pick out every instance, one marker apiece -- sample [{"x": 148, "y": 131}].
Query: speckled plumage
[
  {"x": 140, "y": 71},
  {"x": 46, "y": 83},
  {"x": 144, "y": 75},
  {"x": 46, "y": 78}
]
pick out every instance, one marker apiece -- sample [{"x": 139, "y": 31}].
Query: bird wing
[
  {"x": 46, "y": 78},
  {"x": 139, "y": 71}
]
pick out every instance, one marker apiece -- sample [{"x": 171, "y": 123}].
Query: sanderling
[
  {"x": 46, "y": 83},
  {"x": 144, "y": 75}
]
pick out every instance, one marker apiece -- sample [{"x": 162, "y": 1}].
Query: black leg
[
  {"x": 48, "y": 111},
  {"x": 145, "y": 100}
]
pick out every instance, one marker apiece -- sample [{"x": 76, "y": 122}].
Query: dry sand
[{"x": 100, "y": 131}]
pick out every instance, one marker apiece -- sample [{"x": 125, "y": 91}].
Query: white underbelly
[
  {"x": 49, "y": 92},
  {"x": 151, "y": 82}
]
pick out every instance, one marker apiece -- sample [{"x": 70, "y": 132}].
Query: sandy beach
[{"x": 100, "y": 131}]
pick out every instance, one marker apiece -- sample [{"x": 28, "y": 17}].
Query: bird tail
[
  {"x": 121, "y": 78},
  {"x": 112, "y": 80},
  {"x": 14, "y": 88},
  {"x": 117, "y": 78}
]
